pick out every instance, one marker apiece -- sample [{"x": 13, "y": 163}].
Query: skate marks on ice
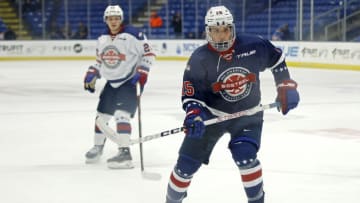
[
  {"x": 45, "y": 163},
  {"x": 335, "y": 133}
]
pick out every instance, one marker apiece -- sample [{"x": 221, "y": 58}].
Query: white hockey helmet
[
  {"x": 113, "y": 10},
  {"x": 219, "y": 16}
]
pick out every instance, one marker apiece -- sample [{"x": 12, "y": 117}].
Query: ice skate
[
  {"x": 122, "y": 160},
  {"x": 94, "y": 154}
]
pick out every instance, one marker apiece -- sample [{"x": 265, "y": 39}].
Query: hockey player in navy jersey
[
  {"x": 124, "y": 59},
  {"x": 222, "y": 77}
]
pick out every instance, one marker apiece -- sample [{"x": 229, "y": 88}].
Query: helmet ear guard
[
  {"x": 219, "y": 16},
  {"x": 113, "y": 10}
]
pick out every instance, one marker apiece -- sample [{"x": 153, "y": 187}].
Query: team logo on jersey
[
  {"x": 234, "y": 84},
  {"x": 112, "y": 57}
]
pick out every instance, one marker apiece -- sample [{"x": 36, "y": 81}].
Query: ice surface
[{"x": 310, "y": 155}]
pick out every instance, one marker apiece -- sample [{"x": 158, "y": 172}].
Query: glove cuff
[
  {"x": 95, "y": 71},
  {"x": 287, "y": 84},
  {"x": 193, "y": 105},
  {"x": 143, "y": 69},
  {"x": 194, "y": 109}
]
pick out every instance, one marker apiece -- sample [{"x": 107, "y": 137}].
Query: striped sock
[
  {"x": 251, "y": 175},
  {"x": 177, "y": 187}
]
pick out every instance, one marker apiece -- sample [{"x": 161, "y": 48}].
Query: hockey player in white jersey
[{"x": 123, "y": 58}]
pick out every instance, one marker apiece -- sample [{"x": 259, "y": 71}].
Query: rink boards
[{"x": 327, "y": 55}]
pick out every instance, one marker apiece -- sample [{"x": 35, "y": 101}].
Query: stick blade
[{"x": 151, "y": 176}]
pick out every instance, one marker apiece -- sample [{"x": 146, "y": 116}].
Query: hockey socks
[
  {"x": 177, "y": 187},
  {"x": 180, "y": 178},
  {"x": 244, "y": 150},
  {"x": 251, "y": 175}
]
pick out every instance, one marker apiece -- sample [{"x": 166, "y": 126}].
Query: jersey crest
[
  {"x": 111, "y": 57},
  {"x": 234, "y": 84}
]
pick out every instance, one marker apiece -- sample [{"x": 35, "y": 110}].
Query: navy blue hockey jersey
[{"x": 226, "y": 84}]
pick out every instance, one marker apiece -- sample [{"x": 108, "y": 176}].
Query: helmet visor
[{"x": 220, "y": 37}]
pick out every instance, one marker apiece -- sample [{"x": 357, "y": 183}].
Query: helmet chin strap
[{"x": 227, "y": 54}]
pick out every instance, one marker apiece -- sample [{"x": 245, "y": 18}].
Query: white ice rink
[{"x": 311, "y": 155}]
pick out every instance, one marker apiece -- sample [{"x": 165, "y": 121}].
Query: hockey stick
[
  {"x": 147, "y": 175},
  {"x": 138, "y": 96},
  {"x": 124, "y": 141},
  {"x": 111, "y": 134},
  {"x": 219, "y": 119}
]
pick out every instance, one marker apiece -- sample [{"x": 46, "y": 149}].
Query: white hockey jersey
[{"x": 118, "y": 56}]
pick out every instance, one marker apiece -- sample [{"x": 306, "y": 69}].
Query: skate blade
[
  {"x": 122, "y": 165},
  {"x": 92, "y": 160}
]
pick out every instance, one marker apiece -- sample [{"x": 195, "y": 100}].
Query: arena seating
[
  {"x": 2, "y": 26},
  {"x": 256, "y": 16}
]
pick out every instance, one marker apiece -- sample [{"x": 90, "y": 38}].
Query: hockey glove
[
  {"x": 140, "y": 76},
  {"x": 194, "y": 121},
  {"x": 288, "y": 96},
  {"x": 90, "y": 79}
]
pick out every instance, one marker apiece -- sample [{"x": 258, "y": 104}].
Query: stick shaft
[
  {"x": 138, "y": 95},
  {"x": 219, "y": 119}
]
